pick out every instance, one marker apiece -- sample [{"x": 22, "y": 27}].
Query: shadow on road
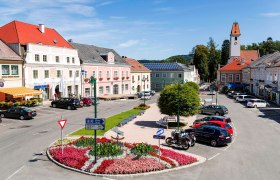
[
  {"x": 270, "y": 114},
  {"x": 150, "y": 124}
]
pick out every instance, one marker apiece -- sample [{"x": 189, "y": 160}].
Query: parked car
[
  {"x": 213, "y": 135},
  {"x": 212, "y": 118},
  {"x": 86, "y": 101},
  {"x": 214, "y": 109},
  {"x": 92, "y": 100},
  {"x": 152, "y": 92},
  {"x": 236, "y": 94},
  {"x": 221, "y": 124},
  {"x": 230, "y": 93},
  {"x": 244, "y": 98},
  {"x": 256, "y": 103},
  {"x": 68, "y": 103},
  {"x": 19, "y": 113}
]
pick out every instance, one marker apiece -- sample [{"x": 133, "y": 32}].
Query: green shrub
[
  {"x": 107, "y": 149},
  {"x": 225, "y": 90},
  {"x": 16, "y": 104},
  {"x": 142, "y": 106},
  {"x": 85, "y": 142},
  {"x": 34, "y": 102},
  {"x": 2, "y": 104},
  {"x": 142, "y": 149}
]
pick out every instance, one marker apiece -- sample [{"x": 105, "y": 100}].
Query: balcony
[
  {"x": 123, "y": 78},
  {"x": 108, "y": 78},
  {"x": 127, "y": 77}
]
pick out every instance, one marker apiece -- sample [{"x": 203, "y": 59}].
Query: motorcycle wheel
[
  {"x": 192, "y": 143},
  {"x": 186, "y": 145},
  {"x": 168, "y": 141}
]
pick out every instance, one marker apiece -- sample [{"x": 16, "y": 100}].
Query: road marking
[
  {"x": 108, "y": 178},
  {"x": 15, "y": 173},
  {"x": 213, "y": 156},
  {"x": 6, "y": 146}
]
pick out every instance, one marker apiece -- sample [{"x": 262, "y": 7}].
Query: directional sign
[
  {"x": 160, "y": 132},
  {"x": 116, "y": 130},
  {"x": 95, "y": 124},
  {"x": 62, "y": 123},
  {"x": 159, "y": 137}
]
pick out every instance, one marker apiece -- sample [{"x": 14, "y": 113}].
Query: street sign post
[
  {"x": 61, "y": 123},
  {"x": 159, "y": 136},
  {"x": 116, "y": 130},
  {"x": 95, "y": 124}
]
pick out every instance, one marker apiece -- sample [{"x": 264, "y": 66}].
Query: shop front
[
  {"x": 18, "y": 94},
  {"x": 45, "y": 90}
]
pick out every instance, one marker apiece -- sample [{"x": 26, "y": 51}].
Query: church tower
[{"x": 235, "y": 40}]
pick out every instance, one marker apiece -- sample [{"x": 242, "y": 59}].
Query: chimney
[{"x": 42, "y": 28}]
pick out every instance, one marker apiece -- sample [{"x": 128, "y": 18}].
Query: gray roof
[
  {"x": 6, "y": 53},
  {"x": 92, "y": 54},
  {"x": 266, "y": 60}
]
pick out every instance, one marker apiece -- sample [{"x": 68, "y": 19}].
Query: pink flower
[{"x": 182, "y": 159}]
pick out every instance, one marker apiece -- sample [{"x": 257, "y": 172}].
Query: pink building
[{"x": 112, "y": 73}]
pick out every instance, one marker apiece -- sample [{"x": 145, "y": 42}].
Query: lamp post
[
  {"x": 144, "y": 80},
  {"x": 216, "y": 92},
  {"x": 178, "y": 107},
  {"x": 93, "y": 82}
]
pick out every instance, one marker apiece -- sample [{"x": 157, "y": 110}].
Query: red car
[
  {"x": 86, "y": 101},
  {"x": 217, "y": 123}
]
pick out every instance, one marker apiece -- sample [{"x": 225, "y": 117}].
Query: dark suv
[
  {"x": 68, "y": 103},
  {"x": 214, "y": 109},
  {"x": 213, "y": 135}
]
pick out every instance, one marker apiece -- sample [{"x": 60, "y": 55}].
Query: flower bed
[{"x": 113, "y": 158}]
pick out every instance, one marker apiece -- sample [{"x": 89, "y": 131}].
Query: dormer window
[{"x": 235, "y": 38}]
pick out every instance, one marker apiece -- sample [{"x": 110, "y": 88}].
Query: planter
[
  {"x": 116, "y": 78},
  {"x": 127, "y": 77},
  {"x": 86, "y": 80},
  {"x": 108, "y": 79},
  {"x": 100, "y": 79},
  {"x": 123, "y": 78}
]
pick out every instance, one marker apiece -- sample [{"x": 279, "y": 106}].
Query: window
[
  {"x": 138, "y": 78},
  {"x": 180, "y": 75},
  {"x": 77, "y": 73},
  {"x": 57, "y": 59},
  {"x": 5, "y": 70},
  {"x": 230, "y": 77},
  {"x": 108, "y": 74},
  {"x": 100, "y": 74},
  {"x": 164, "y": 75},
  {"x": 122, "y": 74},
  {"x": 46, "y": 73},
  {"x": 151, "y": 75},
  {"x": 87, "y": 92},
  {"x": 73, "y": 60},
  {"x": 223, "y": 78},
  {"x": 157, "y": 75},
  {"x": 70, "y": 73},
  {"x": 68, "y": 59},
  {"x": 14, "y": 69},
  {"x": 101, "y": 90},
  {"x": 171, "y": 75},
  {"x": 126, "y": 87},
  {"x": 115, "y": 73},
  {"x": 235, "y": 38},
  {"x": 157, "y": 85},
  {"x": 85, "y": 73},
  {"x": 237, "y": 77},
  {"x": 37, "y": 57},
  {"x": 58, "y": 73},
  {"x": 147, "y": 86},
  {"x": 35, "y": 74},
  {"x": 93, "y": 74},
  {"x": 45, "y": 58},
  {"x": 126, "y": 73},
  {"x": 108, "y": 89}
]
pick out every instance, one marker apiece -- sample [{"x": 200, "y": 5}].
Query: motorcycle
[{"x": 181, "y": 138}]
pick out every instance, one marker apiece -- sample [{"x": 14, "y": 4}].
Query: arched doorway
[
  {"x": 57, "y": 91},
  {"x": 115, "y": 89},
  {"x": 138, "y": 88}
]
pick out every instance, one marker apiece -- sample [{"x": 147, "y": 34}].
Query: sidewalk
[{"x": 142, "y": 128}]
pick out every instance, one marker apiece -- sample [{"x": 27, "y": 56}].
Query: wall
[{"x": 137, "y": 81}]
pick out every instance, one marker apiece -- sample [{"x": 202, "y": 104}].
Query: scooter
[{"x": 181, "y": 139}]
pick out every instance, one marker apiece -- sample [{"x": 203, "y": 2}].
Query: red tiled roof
[
  {"x": 23, "y": 33},
  {"x": 135, "y": 65},
  {"x": 235, "y": 63},
  {"x": 235, "y": 29}
]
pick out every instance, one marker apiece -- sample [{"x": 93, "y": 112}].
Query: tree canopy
[
  {"x": 185, "y": 94},
  {"x": 200, "y": 60},
  {"x": 225, "y": 52},
  {"x": 183, "y": 59}
]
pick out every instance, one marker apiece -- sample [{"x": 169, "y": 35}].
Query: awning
[
  {"x": 233, "y": 85},
  {"x": 20, "y": 92}
]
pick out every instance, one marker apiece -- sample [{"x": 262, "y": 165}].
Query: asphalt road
[{"x": 254, "y": 153}]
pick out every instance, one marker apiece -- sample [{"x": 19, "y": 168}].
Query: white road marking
[
  {"x": 15, "y": 173},
  {"x": 6, "y": 146},
  {"x": 213, "y": 156},
  {"x": 108, "y": 178}
]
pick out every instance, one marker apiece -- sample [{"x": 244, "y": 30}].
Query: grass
[{"x": 109, "y": 124}]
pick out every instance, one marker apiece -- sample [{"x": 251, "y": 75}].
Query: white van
[
  {"x": 244, "y": 98},
  {"x": 257, "y": 103}
]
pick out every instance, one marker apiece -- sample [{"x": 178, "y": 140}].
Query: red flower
[
  {"x": 182, "y": 159},
  {"x": 106, "y": 163}
]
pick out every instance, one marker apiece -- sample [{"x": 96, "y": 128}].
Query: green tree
[
  {"x": 200, "y": 60},
  {"x": 193, "y": 85},
  {"x": 225, "y": 52},
  {"x": 184, "y": 94},
  {"x": 183, "y": 59},
  {"x": 213, "y": 59}
]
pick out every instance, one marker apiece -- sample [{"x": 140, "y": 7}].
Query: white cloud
[
  {"x": 128, "y": 43},
  {"x": 105, "y": 3},
  {"x": 118, "y": 17},
  {"x": 271, "y": 14},
  {"x": 80, "y": 9}
]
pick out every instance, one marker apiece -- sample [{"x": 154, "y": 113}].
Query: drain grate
[{"x": 42, "y": 132}]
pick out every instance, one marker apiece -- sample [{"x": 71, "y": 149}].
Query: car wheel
[
  {"x": 54, "y": 105},
  {"x": 69, "y": 107},
  {"x": 168, "y": 141},
  {"x": 21, "y": 117},
  {"x": 213, "y": 143},
  {"x": 2, "y": 115},
  {"x": 217, "y": 113}
]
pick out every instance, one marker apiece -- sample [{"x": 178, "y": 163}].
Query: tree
[
  {"x": 183, "y": 59},
  {"x": 193, "y": 85},
  {"x": 225, "y": 52},
  {"x": 200, "y": 60},
  {"x": 213, "y": 59},
  {"x": 184, "y": 94}
]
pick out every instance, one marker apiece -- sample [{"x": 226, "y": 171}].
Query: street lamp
[
  {"x": 144, "y": 80},
  {"x": 178, "y": 107}
]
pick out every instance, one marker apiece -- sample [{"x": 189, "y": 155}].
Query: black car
[
  {"x": 213, "y": 135},
  {"x": 19, "y": 113},
  {"x": 214, "y": 109},
  {"x": 68, "y": 103}
]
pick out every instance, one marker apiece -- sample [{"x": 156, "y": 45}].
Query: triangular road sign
[{"x": 62, "y": 123}]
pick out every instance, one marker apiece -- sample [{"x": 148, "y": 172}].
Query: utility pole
[
  {"x": 93, "y": 82},
  {"x": 178, "y": 107}
]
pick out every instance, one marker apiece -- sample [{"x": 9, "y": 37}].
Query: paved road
[{"x": 254, "y": 154}]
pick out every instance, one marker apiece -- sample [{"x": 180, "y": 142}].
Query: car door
[
  {"x": 261, "y": 103},
  {"x": 199, "y": 133},
  {"x": 209, "y": 109},
  {"x": 60, "y": 103},
  {"x": 208, "y": 134},
  {"x": 12, "y": 113},
  {"x": 17, "y": 112}
]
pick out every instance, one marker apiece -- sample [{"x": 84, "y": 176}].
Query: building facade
[
  {"x": 111, "y": 72},
  {"x": 11, "y": 67},
  {"x": 140, "y": 76}
]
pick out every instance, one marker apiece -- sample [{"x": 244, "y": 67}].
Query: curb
[{"x": 199, "y": 158}]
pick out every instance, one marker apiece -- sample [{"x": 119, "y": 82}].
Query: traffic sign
[
  {"x": 159, "y": 137},
  {"x": 62, "y": 123},
  {"x": 95, "y": 124},
  {"x": 159, "y": 132},
  {"x": 116, "y": 130}
]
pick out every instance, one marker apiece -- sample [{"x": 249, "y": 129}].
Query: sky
[{"x": 149, "y": 29}]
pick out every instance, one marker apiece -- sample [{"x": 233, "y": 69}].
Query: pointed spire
[{"x": 235, "y": 29}]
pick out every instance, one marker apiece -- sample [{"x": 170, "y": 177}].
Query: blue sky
[{"x": 149, "y": 29}]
